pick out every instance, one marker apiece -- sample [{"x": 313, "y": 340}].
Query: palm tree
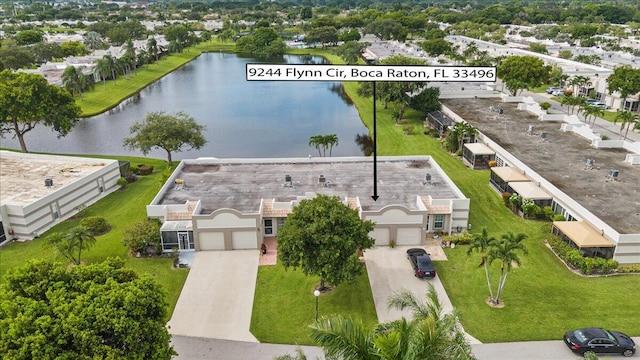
[
  {"x": 429, "y": 335},
  {"x": 152, "y": 48},
  {"x": 480, "y": 243},
  {"x": 505, "y": 250},
  {"x": 112, "y": 66},
  {"x": 102, "y": 69},
  {"x": 82, "y": 238},
  {"x": 331, "y": 140},
  {"x": 92, "y": 40},
  {"x": 71, "y": 80},
  {"x": 317, "y": 141},
  {"x": 628, "y": 119},
  {"x": 591, "y": 111}
]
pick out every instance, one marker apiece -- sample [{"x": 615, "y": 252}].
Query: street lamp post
[{"x": 316, "y": 293}]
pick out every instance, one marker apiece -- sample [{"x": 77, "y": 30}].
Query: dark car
[
  {"x": 421, "y": 262},
  {"x": 599, "y": 341}
]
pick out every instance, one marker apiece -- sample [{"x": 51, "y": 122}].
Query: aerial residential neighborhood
[{"x": 180, "y": 210}]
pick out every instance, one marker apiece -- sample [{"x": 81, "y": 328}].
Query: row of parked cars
[
  {"x": 581, "y": 341},
  {"x": 557, "y": 91}
]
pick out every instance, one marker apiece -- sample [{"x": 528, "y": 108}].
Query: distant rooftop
[
  {"x": 242, "y": 183},
  {"x": 22, "y": 176},
  {"x": 561, "y": 159}
]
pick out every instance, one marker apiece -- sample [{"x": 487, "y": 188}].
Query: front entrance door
[{"x": 183, "y": 240}]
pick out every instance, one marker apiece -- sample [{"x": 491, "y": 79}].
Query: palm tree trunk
[
  {"x": 503, "y": 280},
  {"x": 486, "y": 272}
]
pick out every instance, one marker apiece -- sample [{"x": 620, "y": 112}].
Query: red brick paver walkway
[{"x": 271, "y": 258}]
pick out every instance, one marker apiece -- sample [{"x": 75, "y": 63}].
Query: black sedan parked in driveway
[
  {"x": 421, "y": 262},
  {"x": 599, "y": 341}
]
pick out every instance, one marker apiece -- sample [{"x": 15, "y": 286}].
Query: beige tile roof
[
  {"x": 353, "y": 203},
  {"x": 432, "y": 209},
  {"x": 269, "y": 211},
  {"x": 183, "y": 215}
]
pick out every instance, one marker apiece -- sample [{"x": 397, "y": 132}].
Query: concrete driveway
[
  {"x": 217, "y": 298},
  {"x": 389, "y": 272}
]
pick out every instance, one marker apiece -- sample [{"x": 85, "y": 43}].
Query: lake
[{"x": 242, "y": 118}]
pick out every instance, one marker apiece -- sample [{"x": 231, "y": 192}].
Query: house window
[
  {"x": 268, "y": 226},
  {"x": 281, "y": 223},
  {"x": 438, "y": 222}
]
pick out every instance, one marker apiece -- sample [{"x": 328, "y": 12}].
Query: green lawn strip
[
  {"x": 108, "y": 94},
  {"x": 284, "y": 305},
  {"x": 120, "y": 209}
]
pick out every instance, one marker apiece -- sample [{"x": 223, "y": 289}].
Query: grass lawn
[
  {"x": 284, "y": 305},
  {"x": 120, "y": 209}
]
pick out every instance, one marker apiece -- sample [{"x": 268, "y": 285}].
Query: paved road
[{"x": 214, "y": 349}]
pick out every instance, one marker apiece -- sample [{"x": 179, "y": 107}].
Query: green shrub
[
  {"x": 96, "y": 224},
  {"x": 145, "y": 169},
  {"x": 122, "y": 182},
  {"x": 459, "y": 152},
  {"x": 142, "y": 236},
  {"x": 545, "y": 106},
  {"x": 631, "y": 268},
  {"x": 459, "y": 239},
  {"x": 558, "y": 217},
  {"x": 407, "y": 129},
  {"x": 134, "y": 169},
  {"x": 548, "y": 212}
]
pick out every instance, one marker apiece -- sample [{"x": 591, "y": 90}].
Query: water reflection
[{"x": 242, "y": 118}]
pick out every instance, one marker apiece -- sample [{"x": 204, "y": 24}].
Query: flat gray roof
[
  {"x": 22, "y": 176},
  {"x": 561, "y": 160},
  {"x": 241, "y": 183}
]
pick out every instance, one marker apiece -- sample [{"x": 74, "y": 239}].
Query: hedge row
[{"x": 586, "y": 265}]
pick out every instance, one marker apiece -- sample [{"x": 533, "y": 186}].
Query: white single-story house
[
  {"x": 227, "y": 204},
  {"x": 38, "y": 191}
]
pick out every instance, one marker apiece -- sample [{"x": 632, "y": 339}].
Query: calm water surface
[{"x": 243, "y": 119}]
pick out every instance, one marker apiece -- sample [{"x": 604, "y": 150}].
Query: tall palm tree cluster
[
  {"x": 110, "y": 67},
  {"x": 505, "y": 250},
  {"x": 430, "y": 334},
  {"x": 456, "y": 137},
  {"x": 324, "y": 142}
]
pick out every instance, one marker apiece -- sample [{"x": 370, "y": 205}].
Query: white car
[{"x": 601, "y": 105}]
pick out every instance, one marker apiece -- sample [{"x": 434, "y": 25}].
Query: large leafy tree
[
  {"x": 431, "y": 334},
  {"x": 322, "y": 237},
  {"x": 26, "y": 101},
  {"x": 97, "y": 311},
  {"x": 625, "y": 80},
  {"x": 165, "y": 131},
  {"x": 523, "y": 72},
  {"x": 263, "y": 42},
  {"x": 351, "y": 51}
]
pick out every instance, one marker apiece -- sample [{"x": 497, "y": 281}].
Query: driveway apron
[{"x": 217, "y": 298}]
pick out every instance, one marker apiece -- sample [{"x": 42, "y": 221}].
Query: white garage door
[
  {"x": 381, "y": 235},
  {"x": 409, "y": 236},
  {"x": 244, "y": 240},
  {"x": 211, "y": 240}
]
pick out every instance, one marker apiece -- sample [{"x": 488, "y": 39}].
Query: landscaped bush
[
  {"x": 432, "y": 132},
  {"x": 492, "y": 163},
  {"x": 407, "y": 129},
  {"x": 632, "y": 268},
  {"x": 558, "y": 217},
  {"x": 142, "y": 237},
  {"x": 133, "y": 169},
  {"x": 122, "y": 182},
  {"x": 548, "y": 212},
  {"x": 459, "y": 239},
  {"x": 96, "y": 224},
  {"x": 145, "y": 169}
]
